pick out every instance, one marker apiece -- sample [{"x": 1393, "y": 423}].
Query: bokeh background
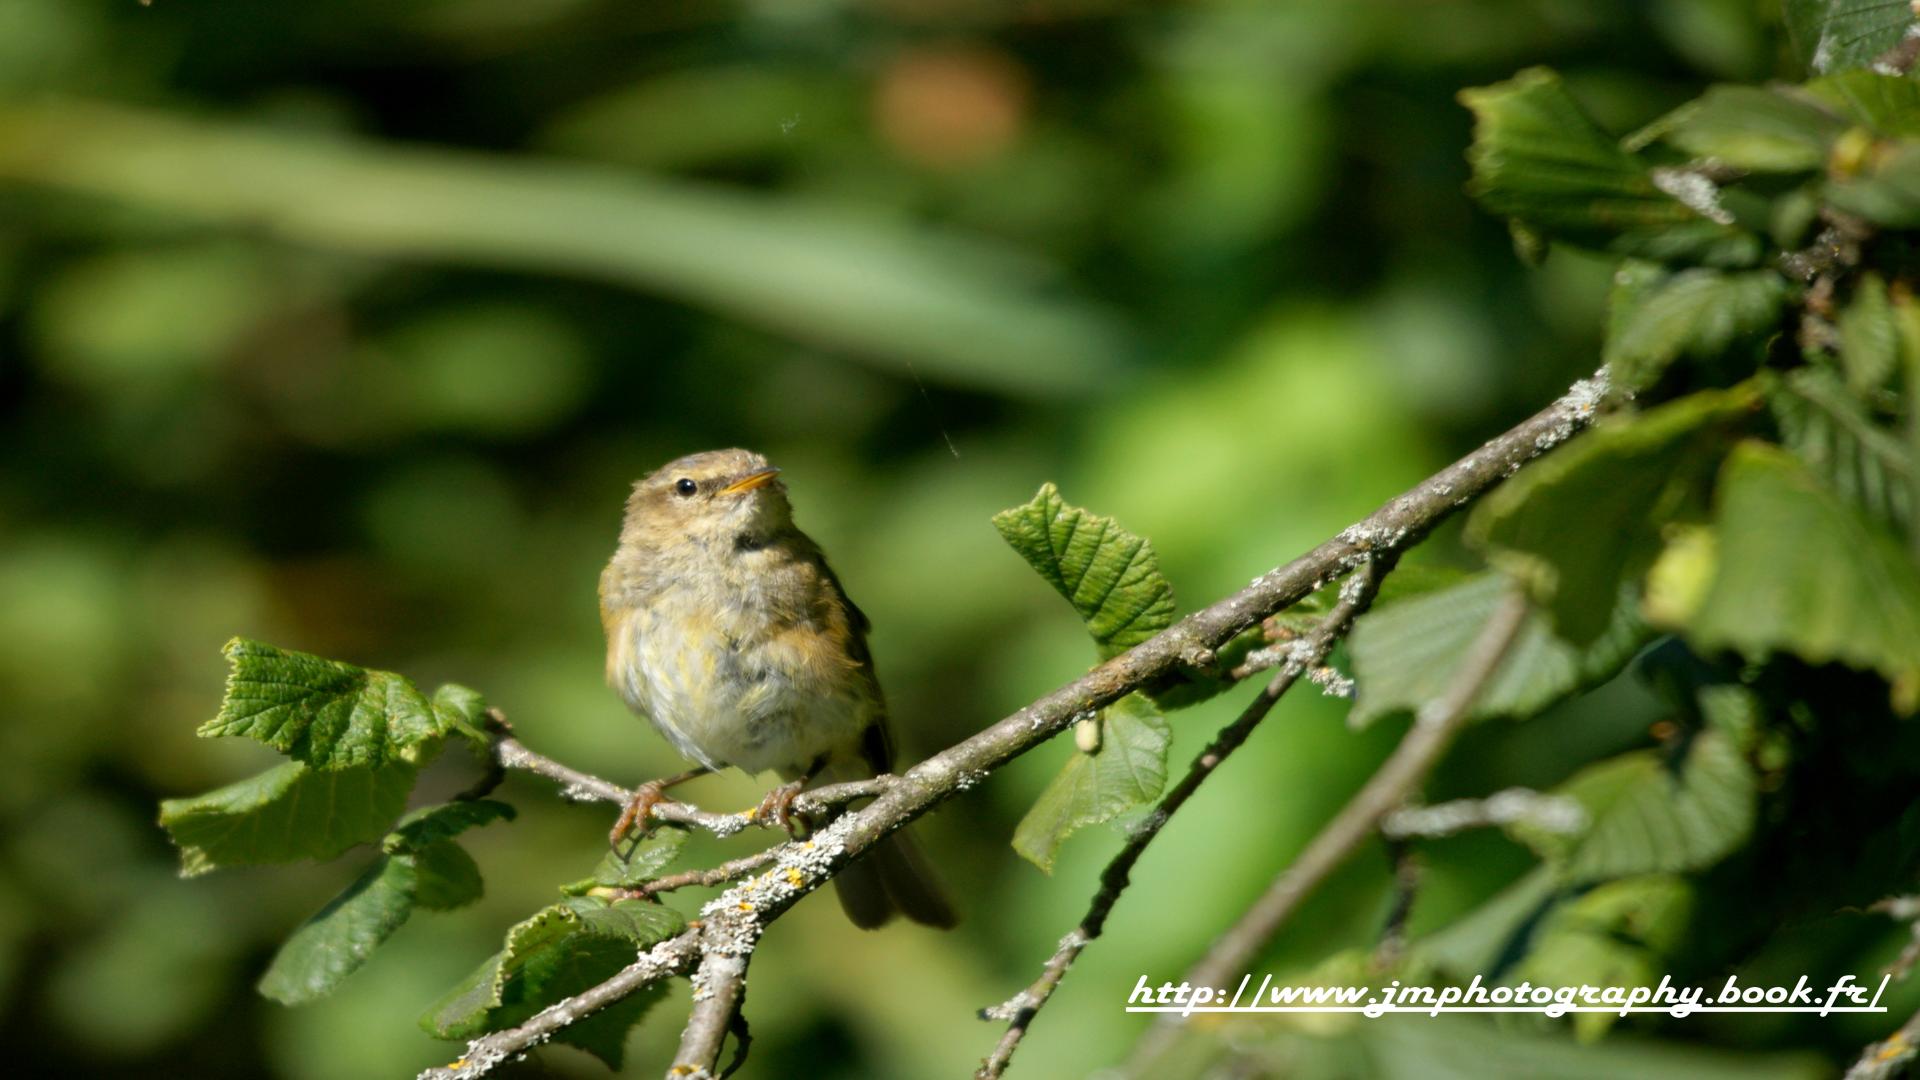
[{"x": 346, "y": 325}]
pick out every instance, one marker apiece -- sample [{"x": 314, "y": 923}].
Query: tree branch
[
  {"x": 719, "y": 986},
  {"x": 1020, "y": 1010},
  {"x": 1433, "y": 730},
  {"x": 731, "y": 924}
]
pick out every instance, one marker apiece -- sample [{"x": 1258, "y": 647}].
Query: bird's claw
[
  {"x": 638, "y": 809},
  {"x": 778, "y": 805}
]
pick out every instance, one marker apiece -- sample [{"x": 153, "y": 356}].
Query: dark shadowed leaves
[
  {"x": 1409, "y": 653},
  {"x": 1582, "y": 522}
]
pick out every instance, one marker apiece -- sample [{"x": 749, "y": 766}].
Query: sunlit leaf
[
  {"x": 325, "y": 713},
  {"x": 1886, "y": 188},
  {"x": 1128, "y": 769},
  {"x": 1110, "y": 576}
]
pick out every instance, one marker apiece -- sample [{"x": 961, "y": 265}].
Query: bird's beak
[{"x": 750, "y": 481}]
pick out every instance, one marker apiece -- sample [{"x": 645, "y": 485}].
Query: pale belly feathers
[{"x": 726, "y": 687}]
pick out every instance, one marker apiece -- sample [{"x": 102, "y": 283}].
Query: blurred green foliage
[{"x": 345, "y": 326}]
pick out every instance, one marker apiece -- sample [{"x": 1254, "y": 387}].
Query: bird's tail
[{"x": 892, "y": 877}]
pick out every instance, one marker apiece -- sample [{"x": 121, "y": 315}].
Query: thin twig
[
  {"x": 732, "y": 870},
  {"x": 511, "y": 753},
  {"x": 732, "y": 922},
  {"x": 1020, "y": 1010},
  {"x": 1433, "y": 730}
]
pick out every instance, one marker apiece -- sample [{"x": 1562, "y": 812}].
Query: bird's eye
[{"x": 685, "y": 486}]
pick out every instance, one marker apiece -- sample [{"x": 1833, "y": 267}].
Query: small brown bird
[{"x": 727, "y": 629}]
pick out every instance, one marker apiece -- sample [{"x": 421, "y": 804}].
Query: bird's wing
[{"x": 876, "y": 743}]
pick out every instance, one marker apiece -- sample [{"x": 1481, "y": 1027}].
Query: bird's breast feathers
[{"x": 739, "y": 681}]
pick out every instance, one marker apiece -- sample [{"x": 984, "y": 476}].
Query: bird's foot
[
  {"x": 778, "y": 805},
  {"x": 638, "y": 809}
]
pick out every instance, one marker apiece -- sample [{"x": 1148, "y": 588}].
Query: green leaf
[
  {"x": 633, "y": 866},
  {"x": 1647, "y": 815},
  {"x": 430, "y": 825},
  {"x": 1539, "y": 160},
  {"x": 421, "y": 866},
  {"x": 1698, "y": 314},
  {"x": 1800, "y": 571},
  {"x": 325, "y": 713},
  {"x": 1128, "y": 769},
  {"x": 1869, "y": 340},
  {"x": 1755, "y": 128},
  {"x": 1833, "y": 35},
  {"x": 1619, "y": 933},
  {"x": 564, "y": 949},
  {"x": 1581, "y": 523},
  {"x": 286, "y": 813},
  {"x": 1407, "y": 654},
  {"x": 1887, "y": 105},
  {"x": 1110, "y": 576},
  {"x": 461, "y": 709},
  {"x": 446, "y": 877},
  {"x": 1827, "y": 428},
  {"x": 337, "y": 941},
  {"x": 1886, "y": 189}
]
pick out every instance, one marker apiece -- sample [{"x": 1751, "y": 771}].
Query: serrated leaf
[
  {"x": 1755, "y": 128},
  {"x": 1827, "y": 428},
  {"x": 339, "y": 939},
  {"x": 1128, "y": 769},
  {"x": 1833, "y": 35},
  {"x": 1407, "y": 654},
  {"x": 1582, "y": 523},
  {"x": 560, "y": 951},
  {"x": 286, "y": 813},
  {"x": 1647, "y": 815},
  {"x": 1539, "y": 160},
  {"x": 328, "y": 714},
  {"x": 1697, "y": 314},
  {"x": 1800, "y": 571},
  {"x": 1110, "y": 576}
]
